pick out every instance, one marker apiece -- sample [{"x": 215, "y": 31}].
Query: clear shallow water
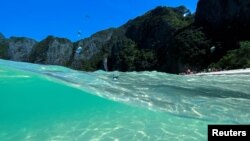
[{"x": 51, "y": 103}]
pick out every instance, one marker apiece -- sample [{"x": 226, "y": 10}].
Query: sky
[{"x": 65, "y": 18}]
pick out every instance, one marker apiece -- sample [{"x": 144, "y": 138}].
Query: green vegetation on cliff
[
  {"x": 3, "y": 50},
  {"x": 191, "y": 47},
  {"x": 143, "y": 43},
  {"x": 38, "y": 53},
  {"x": 236, "y": 59},
  {"x": 3, "y": 47},
  {"x": 52, "y": 50},
  {"x": 126, "y": 56}
]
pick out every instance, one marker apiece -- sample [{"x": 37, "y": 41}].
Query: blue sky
[{"x": 64, "y": 18}]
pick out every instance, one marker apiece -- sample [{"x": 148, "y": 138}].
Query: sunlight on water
[{"x": 50, "y": 103}]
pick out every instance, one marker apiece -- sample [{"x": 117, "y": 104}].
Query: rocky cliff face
[
  {"x": 91, "y": 50},
  {"x": 226, "y": 22},
  {"x": 228, "y": 16},
  {"x": 59, "y": 52},
  {"x": 52, "y": 50},
  {"x": 157, "y": 27},
  {"x": 19, "y": 48},
  {"x": 3, "y": 47},
  {"x": 147, "y": 39}
]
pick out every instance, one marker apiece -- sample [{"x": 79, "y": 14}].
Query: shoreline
[{"x": 225, "y": 72}]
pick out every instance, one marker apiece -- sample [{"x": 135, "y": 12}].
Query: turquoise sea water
[{"x": 52, "y": 103}]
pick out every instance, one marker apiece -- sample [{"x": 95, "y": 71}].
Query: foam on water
[{"x": 57, "y": 103}]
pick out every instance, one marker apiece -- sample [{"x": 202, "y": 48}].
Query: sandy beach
[{"x": 227, "y": 72}]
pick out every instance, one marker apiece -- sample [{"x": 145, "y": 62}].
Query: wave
[{"x": 215, "y": 98}]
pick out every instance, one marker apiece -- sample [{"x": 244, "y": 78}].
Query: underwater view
[{"x": 53, "y": 103}]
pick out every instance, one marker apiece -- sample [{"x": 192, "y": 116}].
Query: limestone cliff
[
  {"x": 228, "y": 16},
  {"x": 3, "y": 47},
  {"x": 19, "y": 48},
  {"x": 91, "y": 54},
  {"x": 53, "y": 51}
]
